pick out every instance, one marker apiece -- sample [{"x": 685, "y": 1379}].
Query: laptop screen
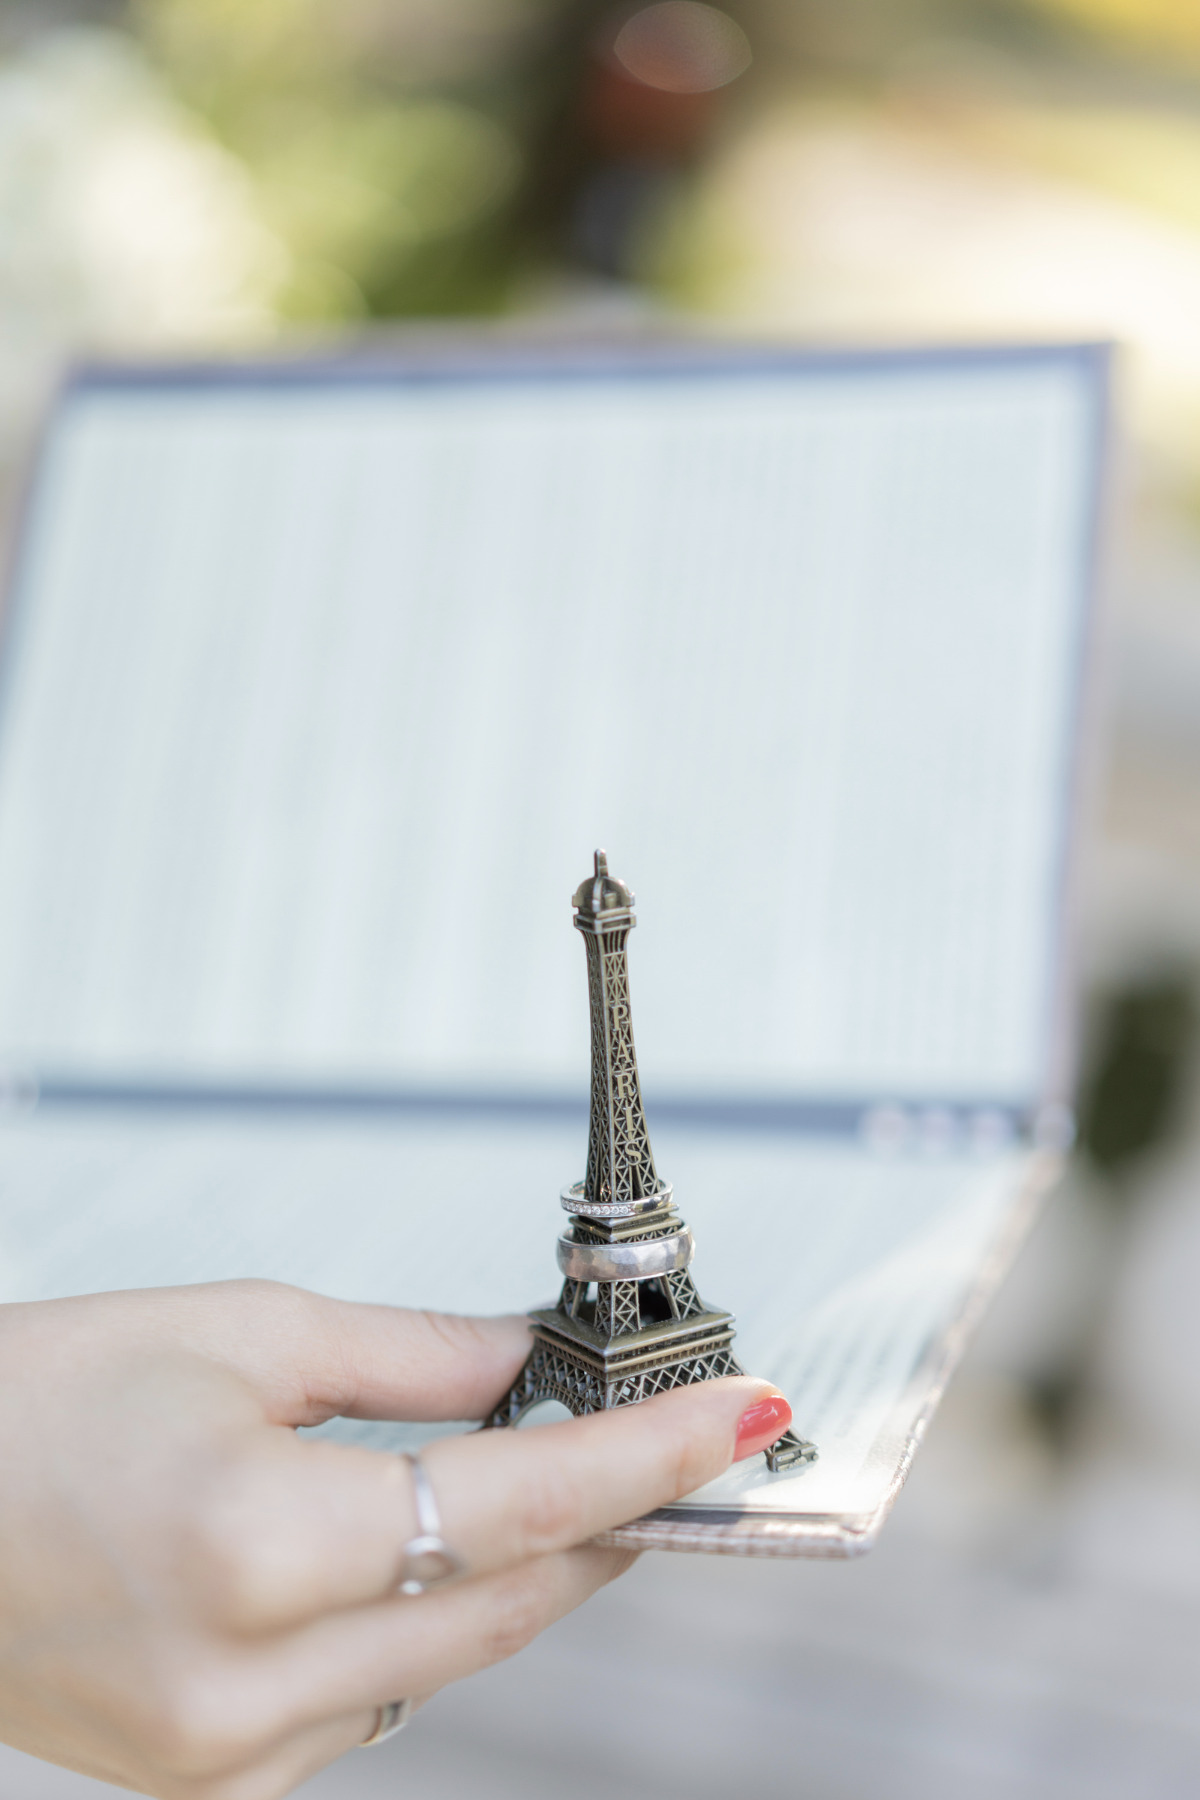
[{"x": 323, "y": 684}]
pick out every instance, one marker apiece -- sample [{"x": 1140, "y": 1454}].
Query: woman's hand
[{"x": 198, "y": 1604}]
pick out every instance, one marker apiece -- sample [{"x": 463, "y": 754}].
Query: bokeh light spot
[{"x": 683, "y": 47}]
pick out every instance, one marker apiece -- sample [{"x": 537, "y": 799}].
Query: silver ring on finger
[
  {"x": 428, "y": 1558},
  {"x": 389, "y": 1720}
]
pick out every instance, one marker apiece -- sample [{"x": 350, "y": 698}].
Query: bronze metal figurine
[{"x": 629, "y": 1322}]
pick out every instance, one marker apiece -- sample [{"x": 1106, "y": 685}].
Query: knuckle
[
  {"x": 261, "y": 1297},
  {"x": 224, "y": 1558},
  {"x": 519, "y": 1608},
  {"x": 190, "y": 1724},
  {"x": 261, "y": 1287},
  {"x": 239, "y": 1556}
]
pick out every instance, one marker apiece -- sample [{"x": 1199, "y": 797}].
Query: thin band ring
[
  {"x": 389, "y": 1720},
  {"x": 428, "y": 1559}
]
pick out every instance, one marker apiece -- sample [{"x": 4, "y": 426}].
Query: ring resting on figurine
[
  {"x": 575, "y": 1200},
  {"x": 637, "y": 1261}
]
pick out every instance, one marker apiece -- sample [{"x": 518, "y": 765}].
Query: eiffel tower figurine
[{"x": 629, "y": 1322}]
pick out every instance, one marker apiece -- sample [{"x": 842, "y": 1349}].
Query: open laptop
[{"x": 322, "y": 680}]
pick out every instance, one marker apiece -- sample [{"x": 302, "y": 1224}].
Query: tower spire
[
  {"x": 620, "y": 1162},
  {"x": 629, "y": 1322}
]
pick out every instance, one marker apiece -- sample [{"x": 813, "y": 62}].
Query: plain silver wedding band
[
  {"x": 388, "y": 1721},
  {"x": 428, "y": 1558}
]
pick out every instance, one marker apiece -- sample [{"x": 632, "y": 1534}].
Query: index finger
[
  {"x": 505, "y": 1496},
  {"x": 299, "y": 1529},
  {"x": 307, "y": 1357}
]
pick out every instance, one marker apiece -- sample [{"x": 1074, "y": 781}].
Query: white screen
[{"x": 321, "y": 694}]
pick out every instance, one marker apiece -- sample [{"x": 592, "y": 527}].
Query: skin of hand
[{"x": 198, "y": 1604}]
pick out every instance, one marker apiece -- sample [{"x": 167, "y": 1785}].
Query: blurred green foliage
[
  {"x": 1145, "y": 1039},
  {"x": 436, "y": 156},
  {"x": 388, "y": 144}
]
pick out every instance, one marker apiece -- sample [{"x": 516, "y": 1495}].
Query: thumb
[{"x": 307, "y": 1357}]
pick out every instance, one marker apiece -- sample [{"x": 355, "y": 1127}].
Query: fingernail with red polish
[{"x": 760, "y": 1425}]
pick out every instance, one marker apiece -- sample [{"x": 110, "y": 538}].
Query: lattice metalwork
[
  {"x": 682, "y": 1296},
  {"x": 626, "y": 1314},
  {"x": 572, "y": 1297},
  {"x": 550, "y": 1374},
  {"x": 639, "y": 1328},
  {"x": 658, "y": 1381},
  {"x": 620, "y": 1162}
]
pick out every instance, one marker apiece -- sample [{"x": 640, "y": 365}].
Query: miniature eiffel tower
[{"x": 629, "y": 1322}]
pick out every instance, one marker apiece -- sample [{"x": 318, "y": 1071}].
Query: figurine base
[
  {"x": 789, "y": 1452},
  {"x": 593, "y": 1376}
]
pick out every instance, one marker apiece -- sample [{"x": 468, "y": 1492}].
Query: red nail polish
[{"x": 760, "y": 1425}]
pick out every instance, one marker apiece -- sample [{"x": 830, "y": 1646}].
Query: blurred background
[{"x": 234, "y": 176}]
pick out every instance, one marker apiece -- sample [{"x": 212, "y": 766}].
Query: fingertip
[
  {"x": 726, "y": 1397},
  {"x": 735, "y": 1416},
  {"x": 386, "y": 1362},
  {"x": 761, "y": 1425},
  {"x": 480, "y": 1356}
]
